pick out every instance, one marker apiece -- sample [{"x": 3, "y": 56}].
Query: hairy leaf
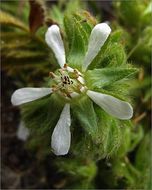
[
  {"x": 7, "y": 19},
  {"x": 85, "y": 114},
  {"x": 77, "y": 35},
  {"x": 99, "y": 78},
  {"x": 110, "y": 55},
  {"x": 143, "y": 162},
  {"x": 41, "y": 115},
  {"x": 110, "y": 136}
]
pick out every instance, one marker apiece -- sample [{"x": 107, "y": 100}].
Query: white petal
[
  {"x": 83, "y": 88},
  {"x": 54, "y": 41},
  {"x": 22, "y": 132},
  {"x": 24, "y": 95},
  {"x": 74, "y": 94},
  {"x": 98, "y": 37},
  {"x": 61, "y": 136},
  {"x": 81, "y": 80},
  {"x": 70, "y": 69},
  {"x": 113, "y": 106}
]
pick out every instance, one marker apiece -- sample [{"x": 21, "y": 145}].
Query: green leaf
[
  {"x": 99, "y": 78},
  {"x": 136, "y": 136},
  {"x": 132, "y": 135},
  {"x": 124, "y": 170},
  {"x": 116, "y": 36},
  {"x": 110, "y": 136},
  {"x": 143, "y": 162},
  {"x": 111, "y": 55},
  {"x": 7, "y": 19},
  {"x": 57, "y": 15},
  {"x": 84, "y": 112},
  {"x": 73, "y": 6},
  {"x": 126, "y": 134},
  {"x": 129, "y": 12},
  {"x": 80, "y": 172},
  {"x": 141, "y": 52},
  {"x": 77, "y": 33},
  {"x": 42, "y": 115},
  {"x": 26, "y": 57},
  {"x": 19, "y": 9},
  {"x": 148, "y": 95},
  {"x": 25, "y": 54},
  {"x": 5, "y": 6}
]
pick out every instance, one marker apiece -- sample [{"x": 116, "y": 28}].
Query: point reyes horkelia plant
[{"x": 69, "y": 83}]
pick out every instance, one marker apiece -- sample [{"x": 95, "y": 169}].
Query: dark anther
[
  {"x": 65, "y": 78},
  {"x": 65, "y": 65},
  {"x": 68, "y": 80}
]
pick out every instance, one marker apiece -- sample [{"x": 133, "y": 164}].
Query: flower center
[{"x": 68, "y": 82}]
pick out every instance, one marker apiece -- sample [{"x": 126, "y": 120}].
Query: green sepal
[
  {"x": 84, "y": 112},
  {"x": 99, "y": 78}
]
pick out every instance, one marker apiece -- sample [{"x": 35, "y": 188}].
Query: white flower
[{"x": 69, "y": 83}]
